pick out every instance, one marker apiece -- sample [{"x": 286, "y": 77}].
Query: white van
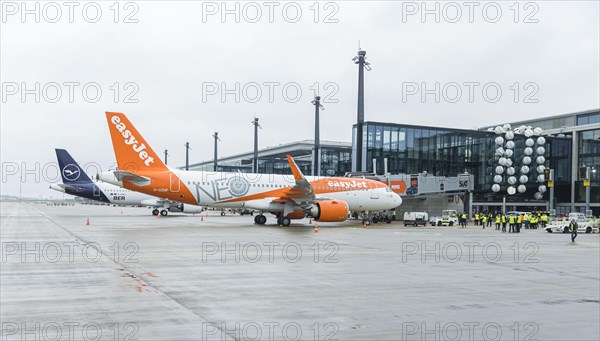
[{"x": 416, "y": 218}]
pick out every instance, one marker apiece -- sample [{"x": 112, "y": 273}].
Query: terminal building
[{"x": 438, "y": 159}]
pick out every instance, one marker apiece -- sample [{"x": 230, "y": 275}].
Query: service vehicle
[
  {"x": 416, "y": 218},
  {"x": 448, "y": 218},
  {"x": 584, "y": 224}
]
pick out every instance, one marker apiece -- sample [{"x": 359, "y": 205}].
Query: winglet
[{"x": 295, "y": 170}]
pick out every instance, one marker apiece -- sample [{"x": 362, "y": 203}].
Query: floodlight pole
[
  {"x": 551, "y": 190},
  {"x": 316, "y": 169},
  {"x": 216, "y": 136},
  {"x": 587, "y": 189},
  {"x": 256, "y": 126},
  {"x": 187, "y": 156},
  {"x": 362, "y": 65}
]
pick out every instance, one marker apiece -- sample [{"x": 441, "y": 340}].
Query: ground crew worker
[
  {"x": 533, "y": 222},
  {"x": 526, "y": 221},
  {"x": 544, "y": 220},
  {"x": 394, "y": 215},
  {"x": 519, "y": 222},
  {"x": 464, "y": 219},
  {"x": 476, "y": 219},
  {"x": 573, "y": 229},
  {"x": 490, "y": 218},
  {"x": 498, "y": 221},
  {"x": 503, "y": 222},
  {"x": 511, "y": 224},
  {"x": 483, "y": 220}
]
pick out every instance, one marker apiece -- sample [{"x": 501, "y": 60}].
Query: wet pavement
[{"x": 131, "y": 276}]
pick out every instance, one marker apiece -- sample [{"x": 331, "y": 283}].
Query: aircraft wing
[{"x": 158, "y": 202}]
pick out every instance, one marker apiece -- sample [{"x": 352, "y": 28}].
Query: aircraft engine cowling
[
  {"x": 330, "y": 211},
  {"x": 185, "y": 208}
]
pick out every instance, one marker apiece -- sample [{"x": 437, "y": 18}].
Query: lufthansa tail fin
[
  {"x": 132, "y": 152},
  {"x": 69, "y": 169}
]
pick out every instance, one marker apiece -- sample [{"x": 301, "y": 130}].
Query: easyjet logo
[
  {"x": 347, "y": 184},
  {"x": 130, "y": 140}
]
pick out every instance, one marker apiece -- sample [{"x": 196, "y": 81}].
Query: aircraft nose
[{"x": 397, "y": 199}]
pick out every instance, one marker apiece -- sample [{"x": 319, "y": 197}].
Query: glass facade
[
  {"x": 589, "y": 156},
  {"x": 588, "y": 118},
  {"x": 448, "y": 152},
  {"x": 335, "y": 161}
]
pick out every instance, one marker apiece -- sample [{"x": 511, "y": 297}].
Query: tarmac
[{"x": 131, "y": 276}]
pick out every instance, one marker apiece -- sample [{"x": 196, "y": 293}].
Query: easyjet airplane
[
  {"x": 76, "y": 182},
  {"x": 287, "y": 197}
]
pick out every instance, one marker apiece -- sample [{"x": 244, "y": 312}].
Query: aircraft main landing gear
[
  {"x": 285, "y": 221},
  {"x": 164, "y": 213},
  {"x": 260, "y": 219},
  {"x": 155, "y": 211}
]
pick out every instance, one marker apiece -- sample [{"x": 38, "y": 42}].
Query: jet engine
[
  {"x": 330, "y": 211},
  {"x": 185, "y": 208}
]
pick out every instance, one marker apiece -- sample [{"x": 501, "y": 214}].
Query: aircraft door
[{"x": 174, "y": 183}]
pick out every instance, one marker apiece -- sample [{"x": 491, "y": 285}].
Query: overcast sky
[{"x": 175, "y": 59}]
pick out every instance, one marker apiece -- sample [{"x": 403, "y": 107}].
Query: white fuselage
[{"x": 257, "y": 191}]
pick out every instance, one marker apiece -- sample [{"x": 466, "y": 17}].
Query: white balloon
[
  {"x": 541, "y": 168},
  {"x": 490, "y": 129},
  {"x": 508, "y": 163},
  {"x": 510, "y": 144},
  {"x": 541, "y": 140},
  {"x": 538, "y": 131},
  {"x": 497, "y": 179},
  {"x": 506, "y": 127},
  {"x": 512, "y": 180},
  {"x": 508, "y": 152},
  {"x": 509, "y": 135},
  {"x": 502, "y": 161},
  {"x": 526, "y": 160},
  {"x": 525, "y": 169},
  {"x": 500, "y": 151},
  {"x": 529, "y": 142},
  {"x": 541, "y": 178},
  {"x": 540, "y": 150},
  {"x": 528, "y": 132},
  {"x": 521, "y": 129},
  {"x": 510, "y": 171},
  {"x": 511, "y": 190},
  {"x": 538, "y": 196},
  {"x": 523, "y": 179},
  {"x": 499, "y": 140},
  {"x": 540, "y": 160},
  {"x": 499, "y": 170},
  {"x": 496, "y": 188},
  {"x": 498, "y": 130},
  {"x": 528, "y": 151},
  {"x": 521, "y": 188},
  {"x": 542, "y": 188}
]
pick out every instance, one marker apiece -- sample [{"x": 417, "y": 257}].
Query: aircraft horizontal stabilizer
[{"x": 137, "y": 180}]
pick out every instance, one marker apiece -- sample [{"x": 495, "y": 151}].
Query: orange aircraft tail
[{"x": 132, "y": 151}]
